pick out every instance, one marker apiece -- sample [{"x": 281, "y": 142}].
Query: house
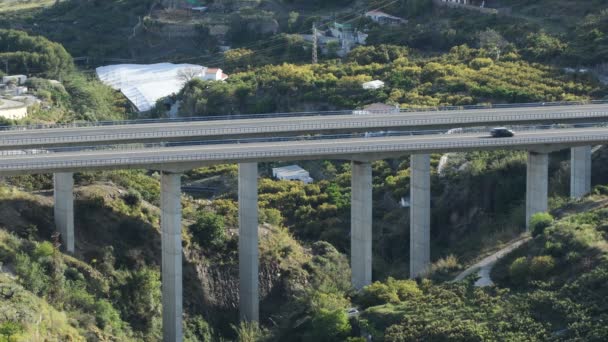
[
  {"x": 214, "y": 74},
  {"x": 375, "y": 84},
  {"x": 292, "y": 172},
  {"x": 378, "y": 108},
  {"x": 384, "y": 18},
  {"x": 16, "y": 79}
]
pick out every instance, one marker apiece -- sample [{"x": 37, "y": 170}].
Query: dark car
[{"x": 501, "y": 132}]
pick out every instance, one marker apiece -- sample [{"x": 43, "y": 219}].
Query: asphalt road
[
  {"x": 275, "y": 126},
  {"x": 352, "y": 148}
]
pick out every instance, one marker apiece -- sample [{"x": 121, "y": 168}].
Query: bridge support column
[
  {"x": 361, "y": 224},
  {"x": 171, "y": 239},
  {"x": 420, "y": 215},
  {"x": 537, "y": 184},
  {"x": 248, "y": 242},
  {"x": 64, "y": 208},
  {"x": 580, "y": 171}
]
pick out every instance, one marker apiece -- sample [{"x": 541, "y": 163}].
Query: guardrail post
[
  {"x": 171, "y": 240},
  {"x": 420, "y": 215},
  {"x": 248, "y": 242},
  {"x": 580, "y": 171},
  {"x": 64, "y": 208},
  {"x": 361, "y": 224},
  {"x": 537, "y": 184}
]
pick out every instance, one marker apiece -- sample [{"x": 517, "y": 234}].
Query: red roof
[{"x": 212, "y": 70}]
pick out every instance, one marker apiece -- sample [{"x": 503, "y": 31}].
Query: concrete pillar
[
  {"x": 537, "y": 184},
  {"x": 248, "y": 242},
  {"x": 64, "y": 208},
  {"x": 361, "y": 224},
  {"x": 420, "y": 215},
  {"x": 171, "y": 239},
  {"x": 580, "y": 171}
]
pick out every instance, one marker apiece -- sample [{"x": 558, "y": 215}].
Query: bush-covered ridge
[
  {"x": 462, "y": 77},
  {"x": 552, "y": 288}
]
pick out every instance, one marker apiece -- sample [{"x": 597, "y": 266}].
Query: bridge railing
[{"x": 298, "y": 114}]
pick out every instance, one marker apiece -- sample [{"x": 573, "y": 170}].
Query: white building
[
  {"x": 214, "y": 74},
  {"x": 375, "y": 84},
  {"x": 292, "y": 172}
]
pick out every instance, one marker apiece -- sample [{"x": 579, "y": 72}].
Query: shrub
[
  {"x": 519, "y": 269},
  {"x": 208, "y": 230},
  {"x": 330, "y": 325},
  {"x": 394, "y": 291},
  {"x": 540, "y": 221},
  {"x": 31, "y": 274},
  {"x": 44, "y": 250},
  {"x": 446, "y": 265},
  {"x": 249, "y": 332},
  {"x": 132, "y": 198},
  {"x": 541, "y": 266},
  {"x": 479, "y": 63}
]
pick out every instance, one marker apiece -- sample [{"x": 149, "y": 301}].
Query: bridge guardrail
[{"x": 298, "y": 114}]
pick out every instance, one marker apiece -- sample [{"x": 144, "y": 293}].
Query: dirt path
[{"x": 484, "y": 267}]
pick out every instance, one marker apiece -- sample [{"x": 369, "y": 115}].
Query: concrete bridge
[{"x": 172, "y": 161}]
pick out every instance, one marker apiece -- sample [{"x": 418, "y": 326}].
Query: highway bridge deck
[{"x": 190, "y": 156}]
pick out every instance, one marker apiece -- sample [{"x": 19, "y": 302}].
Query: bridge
[
  {"x": 361, "y": 151},
  {"x": 264, "y": 125}
]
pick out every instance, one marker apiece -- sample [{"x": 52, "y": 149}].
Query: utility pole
[{"x": 314, "y": 43}]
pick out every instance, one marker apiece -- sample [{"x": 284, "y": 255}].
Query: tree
[
  {"x": 292, "y": 20},
  {"x": 493, "y": 42},
  {"x": 8, "y": 329},
  {"x": 208, "y": 230},
  {"x": 187, "y": 74},
  {"x": 540, "y": 221}
]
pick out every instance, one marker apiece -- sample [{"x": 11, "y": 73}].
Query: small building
[
  {"x": 384, "y": 18},
  {"x": 214, "y": 74},
  {"x": 375, "y": 84},
  {"x": 16, "y": 79},
  {"x": 292, "y": 172}
]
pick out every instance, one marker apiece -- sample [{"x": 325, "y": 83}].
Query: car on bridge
[{"x": 501, "y": 132}]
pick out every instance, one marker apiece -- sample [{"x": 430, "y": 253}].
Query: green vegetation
[
  {"x": 540, "y": 221},
  {"x": 464, "y": 76},
  {"x": 21, "y": 53}
]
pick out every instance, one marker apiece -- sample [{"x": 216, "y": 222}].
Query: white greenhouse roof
[{"x": 144, "y": 84}]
